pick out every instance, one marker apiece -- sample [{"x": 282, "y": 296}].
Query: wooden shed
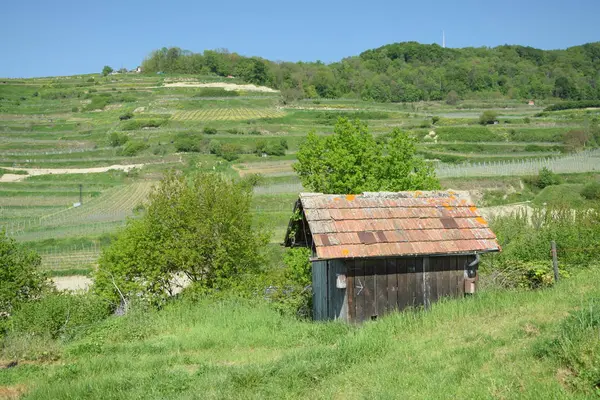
[{"x": 379, "y": 252}]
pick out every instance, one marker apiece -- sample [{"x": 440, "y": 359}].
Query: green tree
[
  {"x": 488, "y": 117},
  {"x": 20, "y": 276},
  {"x": 106, "y": 70},
  {"x": 452, "y": 98},
  {"x": 351, "y": 161},
  {"x": 200, "y": 227}
]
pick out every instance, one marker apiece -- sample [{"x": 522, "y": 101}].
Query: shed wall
[{"x": 377, "y": 286}]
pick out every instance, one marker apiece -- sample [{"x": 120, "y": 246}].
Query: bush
[
  {"x": 132, "y": 149},
  {"x": 209, "y": 130},
  {"x": 133, "y": 125},
  {"x": 452, "y": 98},
  {"x": 488, "y": 117},
  {"x": 116, "y": 139},
  {"x": 126, "y": 116},
  {"x": 216, "y": 92},
  {"x": 235, "y": 131},
  {"x": 591, "y": 191},
  {"x": 201, "y": 227},
  {"x": 75, "y": 109},
  {"x": 20, "y": 276},
  {"x": 59, "y": 315},
  {"x": 294, "y": 294},
  {"x": 185, "y": 142},
  {"x": 569, "y": 105},
  {"x": 230, "y": 151},
  {"x": 546, "y": 178}
]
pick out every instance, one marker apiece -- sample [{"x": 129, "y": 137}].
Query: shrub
[
  {"x": 59, "y": 315},
  {"x": 254, "y": 132},
  {"x": 210, "y": 131},
  {"x": 20, "y": 276},
  {"x": 132, "y": 148},
  {"x": 216, "y": 92},
  {"x": 452, "y": 98},
  {"x": 435, "y": 119},
  {"x": 199, "y": 226},
  {"x": 568, "y": 105},
  {"x": 186, "y": 142},
  {"x": 75, "y": 109},
  {"x": 235, "y": 131},
  {"x": 133, "y": 125},
  {"x": 116, "y": 139},
  {"x": 126, "y": 116},
  {"x": 546, "y": 178},
  {"x": 488, "y": 117},
  {"x": 591, "y": 191},
  {"x": 575, "y": 139},
  {"x": 294, "y": 295},
  {"x": 230, "y": 151}
]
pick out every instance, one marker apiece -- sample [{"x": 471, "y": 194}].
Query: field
[
  {"x": 67, "y": 122},
  {"x": 498, "y": 345},
  {"x": 226, "y": 114}
]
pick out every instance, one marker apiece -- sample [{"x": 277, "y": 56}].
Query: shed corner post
[{"x": 426, "y": 283}]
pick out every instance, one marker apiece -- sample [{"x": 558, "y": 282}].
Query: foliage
[
  {"x": 216, "y": 92},
  {"x": 575, "y": 139},
  {"x": 126, "y": 116},
  {"x": 106, "y": 70},
  {"x": 187, "y": 142},
  {"x": 569, "y": 105},
  {"x": 116, "y": 139},
  {"x": 407, "y": 72},
  {"x": 546, "y": 178},
  {"x": 270, "y": 148},
  {"x": 199, "y": 227},
  {"x": 525, "y": 238},
  {"x": 209, "y": 130},
  {"x": 293, "y": 295},
  {"x": 488, "y": 117},
  {"x": 20, "y": 276},
  {"x": 133, "y": 125},
  {"x": 351, "y": 161},
  {"x": 452, "y": 98},
  {"x": 132, "y": 148},
  {"x": 59, "y": 315},
  {"x": 591, "y": 191}
]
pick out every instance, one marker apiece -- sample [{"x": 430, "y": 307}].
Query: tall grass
[{"x": 481, "y": 347}]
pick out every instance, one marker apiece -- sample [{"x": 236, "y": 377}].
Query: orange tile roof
[{"x": 395, "y": 224}]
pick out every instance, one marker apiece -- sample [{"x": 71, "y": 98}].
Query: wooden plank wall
[
  {"x": 319, "y": 290},
  {"x": 378, "y": 286}
]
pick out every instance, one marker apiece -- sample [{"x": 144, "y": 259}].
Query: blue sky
[{"x": 46, "y": 38}]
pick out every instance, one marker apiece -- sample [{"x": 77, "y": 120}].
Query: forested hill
[{"x": 409, "y": 72}]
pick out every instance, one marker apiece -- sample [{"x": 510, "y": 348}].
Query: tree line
[{"x": 407, "y": 72}]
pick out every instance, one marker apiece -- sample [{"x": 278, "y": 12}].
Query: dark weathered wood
[
  {"x": 555, "y": 262},
  {"x": 463, "y": 263},
  {"x": 351, "y": 301},
  {"x": 426, "y": 283},
  {"x": 381, "y": 284},
  {"x": 433, "y": 279},
  {"x": 359, "y": 290},
  {"x": 370, "y": 299},
  {"x": 405, "y": 283},
  {"x": 417, "y": 266},
  {"x": 338, "y": 295},
  {"x": 319, "y": 284},
  {"x": 455, "y": 276},
  {"x": 392, "y": 283}
]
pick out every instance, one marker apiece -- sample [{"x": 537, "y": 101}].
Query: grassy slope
[{"x": 483, "y": 347}]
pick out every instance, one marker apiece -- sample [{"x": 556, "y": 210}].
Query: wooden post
[{"x": 555, "y": 261}]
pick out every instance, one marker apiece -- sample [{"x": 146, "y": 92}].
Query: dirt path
[
  {"x": 58, "y": 171},
  {"x": 223, "y": 85},
  {"x": 73, "y": 282}
]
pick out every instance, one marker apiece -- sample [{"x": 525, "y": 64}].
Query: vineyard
[
  {"x": 227, "y": 114},
  {"x": 98, "y": 215}
]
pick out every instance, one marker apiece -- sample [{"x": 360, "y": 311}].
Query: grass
[{"x": 493, "y": 345}]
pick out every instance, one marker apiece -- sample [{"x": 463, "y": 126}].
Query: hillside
[
  {"x": 408, "y": 72},
  {"x": 505, "y": 344}
]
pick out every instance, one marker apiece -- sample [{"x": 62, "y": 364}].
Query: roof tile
[{"x": 388, "y": 224}]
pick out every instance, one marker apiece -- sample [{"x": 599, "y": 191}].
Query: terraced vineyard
[
  {"x": 227, "y": 114},
  {"x": 99, "y": 215}
]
